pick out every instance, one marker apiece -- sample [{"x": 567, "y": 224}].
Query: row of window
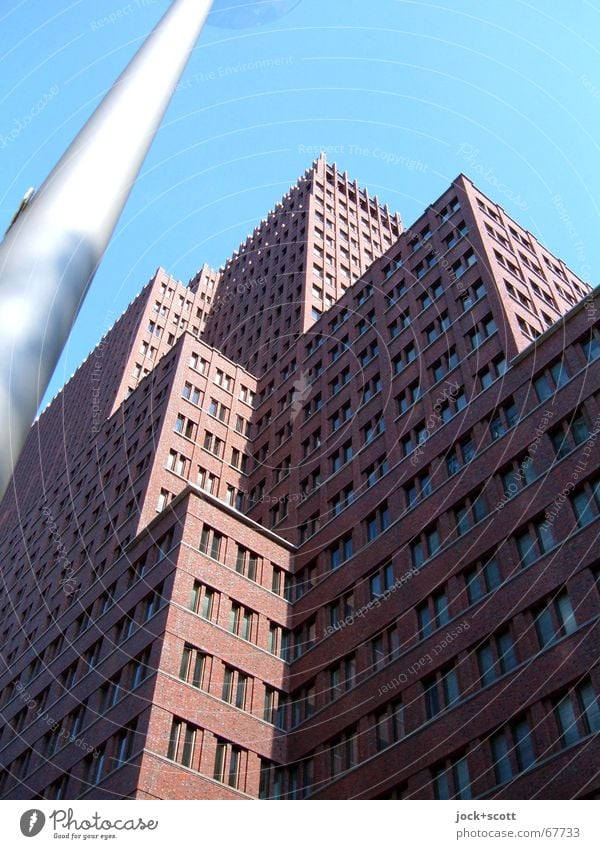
[
  {"x": 185, "y": 747},
  {"x": 550, "y": 380},
  {"x": 532, "y": 541},
  {"x": 245, "y": 561},
  {"x": 511, "y": 749},
  {"x": 506, "y": 416},
  {"x": 109, "y": 596},
  {"x": 552, "y": 618},
  {"x": 110, "y": 756},
  {"x": 70, "y": 729}
]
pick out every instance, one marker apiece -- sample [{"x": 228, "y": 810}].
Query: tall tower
[{"x": 302, "y": 257}]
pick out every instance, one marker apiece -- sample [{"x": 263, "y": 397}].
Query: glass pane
[
  {"x": 388, "y": 574},
  {"x": 596, "y": 492},
  {"x": 496, "y": 428},
  {"x": 567, "y": 722},
  {"x": 185, "y": 663},
  {"x": 451, "y": 691},
  {"x": 510, "y": 482},
  {"x": 591, "y": 709},
  {"x": 433, "y": 541},
  {"x": 432, "y": 701},
  {"x": 246, "y": 625},
  {"x": 506, "y": 652},
  {"x": 502, "y": 767},
  {"x": 583, "y": 509},
  {"x": 474, "y": 588},
  {"x": 523, "y": 745},
  {"x": 468, "y": 450},
  {"x": 398, "y": 720},
  {"x": 194, "y": 596},
  {"x": 418, "y": 556},
  {"x": 527, "y": 550},
  {"x": 544, "y": 627},
  {"x": 219, "y": 762},
  {"x": 240, "y": 694},
  {"x": 485, "y": 661},
  {"x": 560, "y": 443},
  {"x": 441, "y": 787},
  {"x": 542, "y": 388},
  {"x": 424, "y": 617},
  {"x": 378, "y": 652},
  {"x": 559, "y": 373},
  {"x": 462, "y": 521},
  {"x": 188, "y": 745},
  {"x": 546, "y": 538},
  {"x": 227, "y": 685},
  {"x": 579, "y": 429},
  {"x": 425, "y": 485},
  {"x": 234, "y": 762},
  {"x": 383, "y": 735},
  {"x": 173, "y": 739},
  {"x": 198, "y": 669},
  {"x": 265, "y": 773},
  {"x": 592, "y": 349},
  {"x": 440, "y": 602},
  {"x": 492, "y": 574},
  {"x": 528, "y": 470},
  {"x": 511, "y": 414},
  {"x": 461, "y": 779},
  {"x": 565, "y": 613},
  {"x": 479, "y": 508},
  {"x": 375, "y": 585}
]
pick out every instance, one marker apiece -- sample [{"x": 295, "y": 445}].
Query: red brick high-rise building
[{"x": 320, "y": 524}]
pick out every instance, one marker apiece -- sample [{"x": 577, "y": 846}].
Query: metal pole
[{"x": 51, "y": 251}]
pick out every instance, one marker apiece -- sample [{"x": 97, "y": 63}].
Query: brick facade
[{"x": 320, "y": 524}]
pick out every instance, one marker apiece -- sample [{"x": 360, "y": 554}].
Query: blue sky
[{"x": 402, "y": 94}]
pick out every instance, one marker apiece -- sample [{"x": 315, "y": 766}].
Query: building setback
[{"x": 320, "y": 524}]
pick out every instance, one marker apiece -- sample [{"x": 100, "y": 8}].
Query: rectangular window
[
  {"x": 569, "y": 434},
  {"x": 343, "y": 752},
  {"x": 340, "y": 552},
  {"x": 224, "y": 380},
  {"x": 537, "y": 539},
  {"x": 554, "y": 619},
  {"x": 591, "y": 346},
  {"x": 240, "y": 621},
  {"x": 389, "y": 725},
  {"x": 451, "y": 779},
  {"x": 235, "y": 687},
  {"x": 441, "y": 691},
  {"x": 203, "y": 600},
  {"x": 247, "y": 562},
  {"x": 377, "y": 522},
  {"x": 512, "y": 750},
  {"x": 425, "y": 546},
  {"x": 381, "y": 581},
  {"x": 211, "y": 542},
  {"x": 183, "y": 741},
  {"x": 193, "y": 662},
  {"x": 496, "y": 657}
]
